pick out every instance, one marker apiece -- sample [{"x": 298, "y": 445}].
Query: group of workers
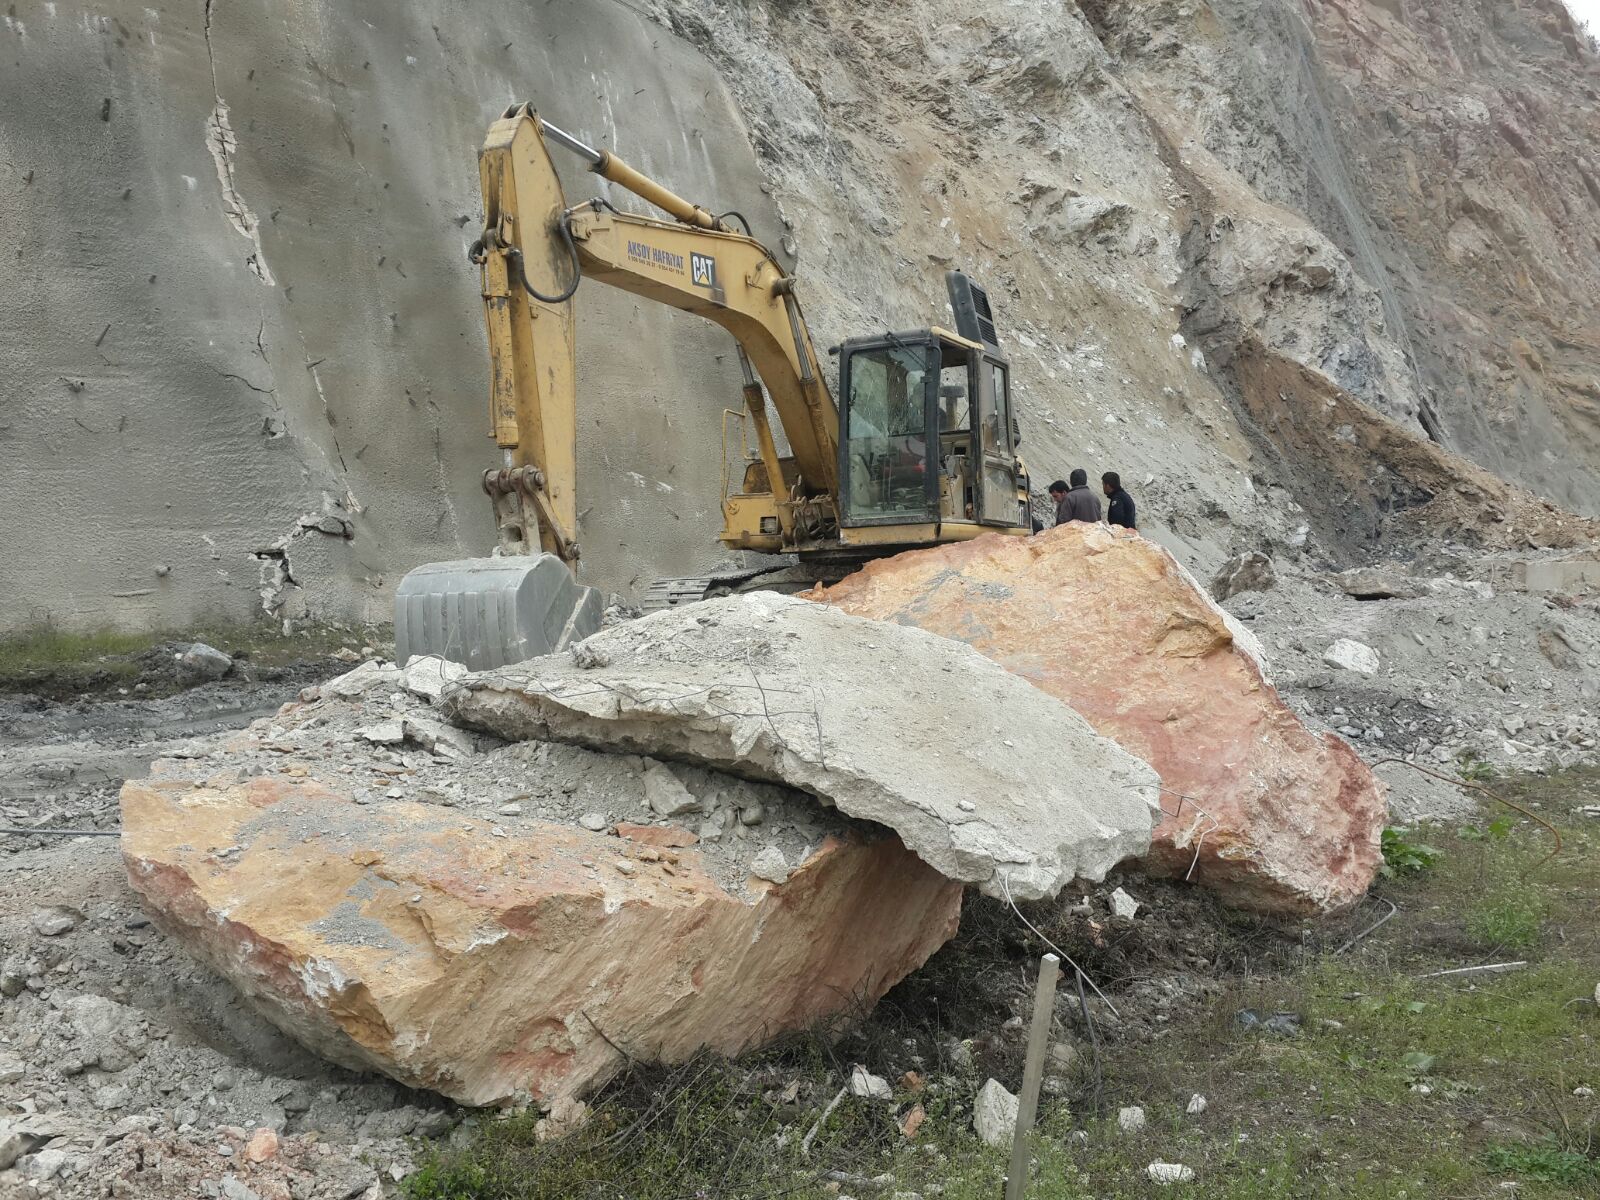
[{"x": 1075, "y": 502}]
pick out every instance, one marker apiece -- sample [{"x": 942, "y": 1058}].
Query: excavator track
[{"x": 788, "y": 578}]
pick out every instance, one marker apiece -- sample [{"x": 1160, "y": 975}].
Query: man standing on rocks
[
  {"x": 1120, "y": 510},
  {"x": 1076, "y": 503}
]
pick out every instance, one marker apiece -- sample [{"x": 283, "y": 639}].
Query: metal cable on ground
[
  {"x": 1094, "y": 1042},
  {"x": 1393, "y": 909},
  {"x": 1476, "y": 787},
  {"x": 1062, "y": 954}
]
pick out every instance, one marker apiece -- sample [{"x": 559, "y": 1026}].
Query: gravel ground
[{"x": 128, "y": 1070}]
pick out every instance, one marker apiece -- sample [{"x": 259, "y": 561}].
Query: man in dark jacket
[
  {"x": 1120, "y": 511},
  {"x": 1075, "y": 503}
]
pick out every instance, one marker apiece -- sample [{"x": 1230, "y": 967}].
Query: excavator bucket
[{"x": 488, "y": 612}]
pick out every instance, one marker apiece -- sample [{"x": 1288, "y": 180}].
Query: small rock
[
  {"x": 440, "y": 738},
  {"x": 1284, "y": 1024},
  {"x": 384, "y": 733},
  {"x": 232, "y": 1189},
  {"x": 959, "y": 1054},
  {"x": 1251, "y": 571},
  {"x": 12, "y": 1068},
  {"x": 1197, "y": 1105},
  {"x": 1348, "y": 655},
  {"x": 595, "y": 822},
  {"x": 1168, "y": 1173},
  {"x": 566, "y": 1116},
  {"x": 1061, "y": 1058},
  {"x": 112, "y": 1095},
  {"x": 994, "y": 1114},
  {"x": 509, "y": 810},
  {"x": 665, "y": 793},
  {"x": 1131, "y": 1119},
  {"x": 14, "y": 1143},
  {"x": 624, "y": 866},
  {"x": 201, "y": 661},
  {"x": 43, "y": 1165},
  {"x": 770, "y": 865},
  {"x": 912, "y": 1121},
  {"x": 869, "y": 1086},
  {"x": 55, "y": 920},
  {"x": 1583, "y": 1092},
  {"x": 752, "y": 814},
  {"x": 13, "y": 977},
  {"x": 428, "y": 676},
  {"x": 1122, "y": 904},
  {"x": 263, "y": 1144},
  {"x": 345, "y": 654}
]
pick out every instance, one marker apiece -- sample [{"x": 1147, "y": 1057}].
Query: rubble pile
[
  {"x": 365, "y": 872},
  {"x": 1255, "y": 805}
]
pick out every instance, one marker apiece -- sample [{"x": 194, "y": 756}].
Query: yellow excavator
[{"x": 919, "y": 450}]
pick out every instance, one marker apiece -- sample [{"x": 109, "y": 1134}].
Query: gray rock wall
[{"x": 242, "y": 358}]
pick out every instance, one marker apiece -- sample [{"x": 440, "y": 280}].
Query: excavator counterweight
[{"x": 920, "y": 448}]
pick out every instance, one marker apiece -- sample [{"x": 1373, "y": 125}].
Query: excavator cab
[{"x": 927, "y": 442}]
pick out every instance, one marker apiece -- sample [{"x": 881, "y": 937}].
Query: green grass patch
[
  {"x": 41, "y": 648},
  {"x": 1397, "y": 1085},
  {"x": 63, "y": 664},
  {"x": 1546, "y": 1164},
  {"x": 1506, "y": 921}
]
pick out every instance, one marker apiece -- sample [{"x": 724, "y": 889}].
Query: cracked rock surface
[
  {"x": 985, "y": 778},
  {"x": 1255, "y": 805},
  {"x": 364, "y": 873}
]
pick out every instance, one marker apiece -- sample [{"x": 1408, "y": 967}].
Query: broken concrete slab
[
  {"x": 1269, "y": 814},
  {"x": 369, "y": 933},
  {"x": 985, "y": 779}
]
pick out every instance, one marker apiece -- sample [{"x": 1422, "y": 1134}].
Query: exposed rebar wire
[
  {"x": 1478, "y": 787},
  {"x": 1064, "y": 956},
  {"x": 1393, "y": 908}
]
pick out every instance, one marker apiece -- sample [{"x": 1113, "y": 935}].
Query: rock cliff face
[{"x": 244, "y": 344}]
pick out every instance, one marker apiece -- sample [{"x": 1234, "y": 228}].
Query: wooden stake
[{"x": 1044, "y": 1001}]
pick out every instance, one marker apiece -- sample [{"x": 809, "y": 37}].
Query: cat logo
[{"x": 703, "y": 270}]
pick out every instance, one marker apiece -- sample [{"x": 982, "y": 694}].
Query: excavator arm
[{"x": 533, "y": 252}]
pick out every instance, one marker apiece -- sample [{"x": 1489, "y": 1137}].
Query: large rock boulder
[
  {"x": 987, "y": 780},
  {"x": 1271, "y": 815},
  {"x": 483, "y": 961}
]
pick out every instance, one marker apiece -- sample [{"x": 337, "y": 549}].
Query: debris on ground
[
  {"x": 1347, "y": 654},
  {"x": 1255, "y": 805},
  {"x": 202, "y": 662},
  {"x": 1251, "y": 571},
  {"x": 994, "y": 1114},
  {"x": 1169, "y": 1173},
  {"x": 889, "y": 723}
]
